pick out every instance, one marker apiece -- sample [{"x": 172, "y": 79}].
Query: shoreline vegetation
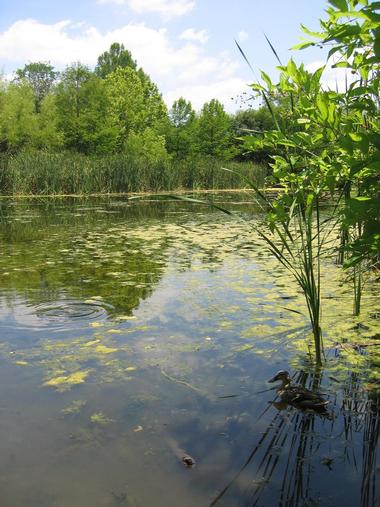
[
  {"x": 108, "y": 130},
  {"x": 75, "y": 174}
]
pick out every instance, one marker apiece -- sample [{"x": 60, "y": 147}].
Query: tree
[
  {"x": 133, "y": 105},
  {"x": 180, "y": 135},
  {"x": 147, "y": 147},
  {"x": 214, "y": 131},
  {"x": 116, "y": 56},
  {"x": 18, "y": 122},
  {"x": 40, "y": 76},
  {"x": 253, "y": 119},
  {"x": 48, "y": 136}
]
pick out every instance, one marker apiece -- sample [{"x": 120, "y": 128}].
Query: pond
[{"x": 136, "y": 332}]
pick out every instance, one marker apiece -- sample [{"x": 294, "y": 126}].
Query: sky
[{"x": 186, "y": 46}]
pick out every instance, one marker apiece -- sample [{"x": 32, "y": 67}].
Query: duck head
[{"x": 281, "y": 375}]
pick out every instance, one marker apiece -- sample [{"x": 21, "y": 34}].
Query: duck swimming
[{"x": 298, "y": 396}]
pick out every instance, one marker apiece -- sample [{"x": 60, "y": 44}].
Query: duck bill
[{"x": 274, "y": 379}]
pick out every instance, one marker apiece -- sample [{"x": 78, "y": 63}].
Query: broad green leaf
[
  {"x": 322, "y": 106},
  {"x": 292, "y": 70},
  {"x": 267, "y": 80}
]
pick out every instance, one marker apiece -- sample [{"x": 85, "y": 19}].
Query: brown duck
[{"x": 298, "y": 396}]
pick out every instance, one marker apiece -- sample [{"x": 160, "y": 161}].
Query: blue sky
[{"x": 187, "y": 46}]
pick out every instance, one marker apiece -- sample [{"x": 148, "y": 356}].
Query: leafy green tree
[
  {"x": 83, "y": 111},
  {"x": 180, "y": 135},
  {"x": 214, "y": 131},
  {"x": 18, "y": 121},
  {"x": 133, "y": 105},
  {"x": 48, "y": 137},
  {"x": 253, "y": 119},
  {"x": 147, "y": 147},
  {"x": 181, "y": 113},
  {"x": 117, "y": 56},
  {"x": 40, "y": 76}
]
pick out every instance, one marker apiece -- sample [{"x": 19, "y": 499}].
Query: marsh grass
[{"x": 70, "y": 173}]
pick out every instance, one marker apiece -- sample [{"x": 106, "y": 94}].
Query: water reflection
[
  {"x": 299, "y": 458},
  {"x": 135, "y": 333}
]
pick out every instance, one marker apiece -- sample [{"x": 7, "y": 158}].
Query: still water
[{"x": 134, "y": 333}]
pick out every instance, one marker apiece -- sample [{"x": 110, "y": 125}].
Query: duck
[{"x": 298, "y": 396}]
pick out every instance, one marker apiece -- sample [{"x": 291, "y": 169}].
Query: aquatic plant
[
  {"x": 324, "y": 143},
  {"x": 37, "y": 172}
]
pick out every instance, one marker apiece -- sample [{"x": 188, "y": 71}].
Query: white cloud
[
  {"x": 335, "y": 79},
  {"x": 242, "y": 35},
  {"x": 226, "y": 91},
  {"x": 184, "y": 69},
  {"x": 29, "y": 40},
  {"x": 166, "y": 8},
  {"x": 191, "y": 34}
]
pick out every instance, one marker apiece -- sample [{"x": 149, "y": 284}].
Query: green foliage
[
  {"x": 329, "y": 144},
  {"x": 39, "y": 172},
  {"x": 18, "y": 121},
  {"x": 357, "y": 135},
  {"x": 253, "y": 119},
  {"x": 147, "y": 147},
  {"x": 133, "y": 105},
  {"x": 40, "y": 76},
  {"x": 47, "y": 135},
  {"x": 181, "y": 132},
  {"x": 117, "y": 56},
  {"x": 114, "y": 114},
  {"x": 214, "y": 131}
]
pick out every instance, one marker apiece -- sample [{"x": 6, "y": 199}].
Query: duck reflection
[{"x": 295, "y": 461}]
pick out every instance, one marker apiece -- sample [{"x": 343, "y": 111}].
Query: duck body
[{"x": 298, "y": 396}]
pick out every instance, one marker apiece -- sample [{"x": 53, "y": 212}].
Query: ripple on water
[{"x": 65, "y": 311}]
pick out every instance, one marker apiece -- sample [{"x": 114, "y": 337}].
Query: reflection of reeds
[
  {"x": 362, "y": 414},
  {"x": 370, "y": 441},
  {"x": 295, "y": 431},
  {"x": 290, "y": 447}
]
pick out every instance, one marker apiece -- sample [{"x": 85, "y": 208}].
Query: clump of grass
[{"x": 38, "y": 172}]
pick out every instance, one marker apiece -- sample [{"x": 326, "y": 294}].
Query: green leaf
[
  {"x": 309, "y": 32},
  {"x": 334, "y": 50},
  {"x": 322, "y": 106},
  {"x": 376, "y": 48},
  {"x": 267, "y": 80},
  {"x": 339, "y": 4},
  {"x": 302, "y": 45},
  {"x": 341, "y": 65},
  {"x": 292, "y": 70}
]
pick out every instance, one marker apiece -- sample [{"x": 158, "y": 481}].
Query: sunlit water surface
[{"x": 135, "y": 333}]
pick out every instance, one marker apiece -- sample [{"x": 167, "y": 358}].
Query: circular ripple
[{"x": 66, "y": 310}]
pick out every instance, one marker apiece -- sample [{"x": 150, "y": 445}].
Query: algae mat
[{"x": 129, "y": 329}]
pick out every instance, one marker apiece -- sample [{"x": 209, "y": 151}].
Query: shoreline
[{"x": 148, "y": 193}]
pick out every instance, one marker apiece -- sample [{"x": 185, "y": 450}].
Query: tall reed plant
[
  {"x": 302, "y": 147},
  {"x": 38, "y": 172}
]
